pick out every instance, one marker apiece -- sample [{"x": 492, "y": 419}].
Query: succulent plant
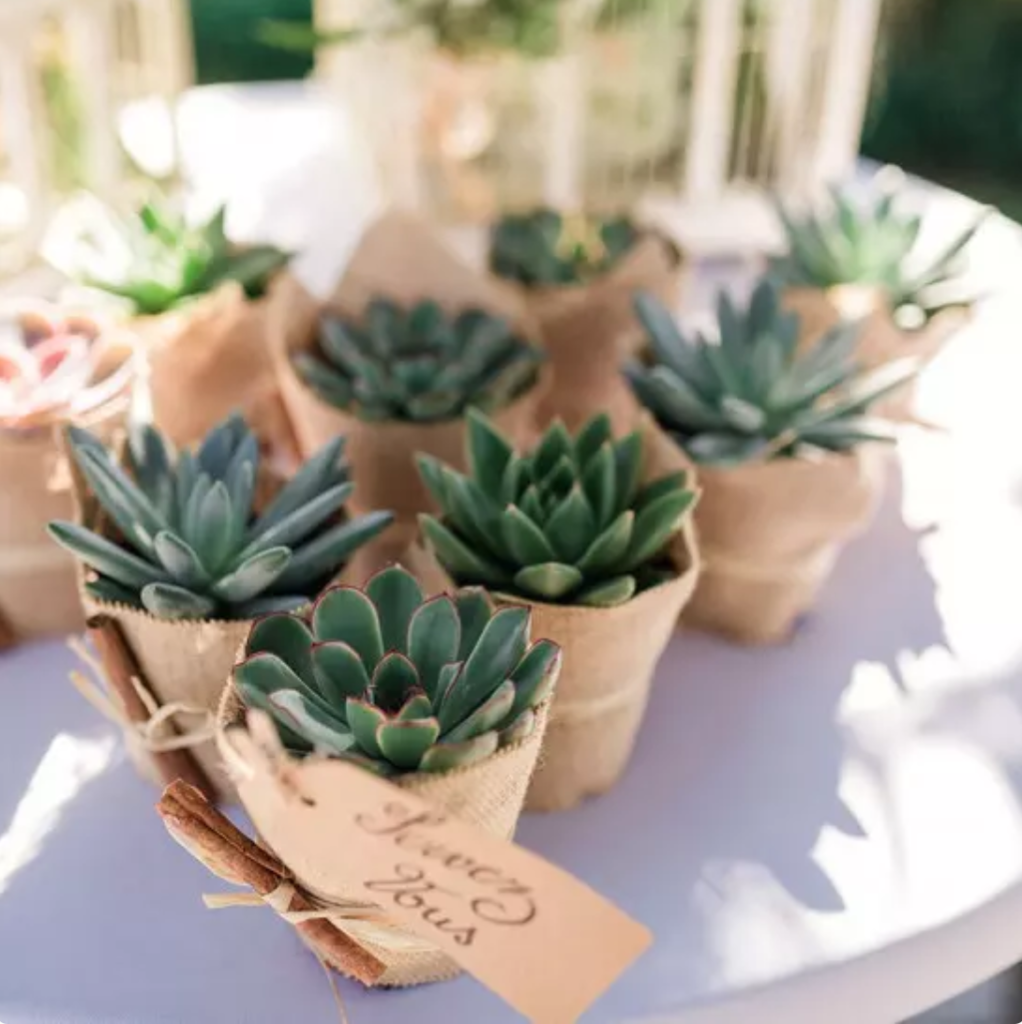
[
  {"x": 158, "y": 261},
  {"x": 568, "y": 523},
  {"x": 194, "y": 546},
  {"x": 752, "y": 394},
  {"x": 547, "y": 248},
  {"x": 418, "y": 364},
  {"x": 53, "y": 368},
  {"x": 869, "y": 240},
  {"x": 395, "y": 682}
]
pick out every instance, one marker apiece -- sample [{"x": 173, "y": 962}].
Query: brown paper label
[{"x": 538, "y": 937}]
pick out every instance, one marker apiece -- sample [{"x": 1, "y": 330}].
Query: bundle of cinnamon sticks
[{"x": 202, "y": 830}]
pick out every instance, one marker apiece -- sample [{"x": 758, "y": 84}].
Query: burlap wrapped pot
[
  {"x": 488, "y": 795},
  {"x": 211, "y": 358},
  {"x": 610, "y": 656},
  {"x": 770, "y": 532},
  {"x": 880, "y": 341},
  {"x": 588, "y": 330},
  {"x": 38, "y": 591},
  {"x": 401, "y": 259}
]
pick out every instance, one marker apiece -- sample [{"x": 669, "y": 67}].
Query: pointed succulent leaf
[
  {"x": 520, "y": 728},
  {"x": 299, "y": 524},
  {"x": 417, "y": 707},
  {"x": 457, "y": 557},
  {"x": 572, "y": 527},
  {"x": 489, "y": 715},
  {"x": 103, "y": 589},
  {"x": 592, "y": 437},
  {"x": 254, "y": 576},
  {"x": 326, "y": 733},
  {"x": 535, "y": 676},
  {"x": 500, "y": 648},
  {"x": 168, "y": 601},
  {"x": 106, "y": 557},
  {"x": 394, "y": 681},
  {"x": 474, "y": 613},
  {"x": 608, "y": 593},
  {"x": 488, "y": 452},
  {"x": 655, "y": 525},
  {"x": 599, "y": 481},
  {"x": 610, "y": 547},
  {"x": 549, "y": 581},
  {"x": 180, "y": 560},
  {"x": 627, "y": 469},
  {"x": 526, "y": 543},
  {"x": 324, "y": 469},
  {"x": 364, "y": 720},
  {"x": 434, "y": 637}
]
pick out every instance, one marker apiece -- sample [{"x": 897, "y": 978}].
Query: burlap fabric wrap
[
  {"x": 769, "y": 533},
  {"x": 213, "y": 357},
  {"x": 881, "y": 341},
  {"x": 38, "y": 592},
  {"x": 488, "y": 795},
  {"x": 589, "y": 330},
  {"x": 399, "y": 258},
  {"x": 610, "y": 656}
]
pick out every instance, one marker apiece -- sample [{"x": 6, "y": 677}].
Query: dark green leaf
[{"x": 346, "y": 614}]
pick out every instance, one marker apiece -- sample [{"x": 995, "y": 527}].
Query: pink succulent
[{"x": 52, "y": 368}]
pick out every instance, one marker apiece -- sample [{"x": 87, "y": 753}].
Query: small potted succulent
[
  {"x": 55, "y": 368},
  {"x": 181, "y": 551},
  {"x": 790, "y": 462},
  {"x": 858, "y": 257},
  {"x": 203, "y": 305},
  {"x": 576, "y": 275},
  {"x": 602, "y": 554},
  {"x": 445, "y": 697},
  {"x": 410, "y": 341}
]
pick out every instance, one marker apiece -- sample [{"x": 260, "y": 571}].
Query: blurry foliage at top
[
  {"x": 532, "y": 28},
  {"x": 948, "y": 93}
]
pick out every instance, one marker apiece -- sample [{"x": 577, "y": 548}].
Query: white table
[{"x": 826, "y": 831}]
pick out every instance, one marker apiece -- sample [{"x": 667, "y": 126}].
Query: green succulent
[
  {"x": 419, "y": 365},
  {"x": 193, "y": 545},
  {"x": 169, "y": 262},
  {"x": 753, "y": 394},
  {"x": 548, "y": 248},
  {"x": 868, "y": 240},
  {"x": 568, "y": 523},
  {"x": 395, "y": 682}
]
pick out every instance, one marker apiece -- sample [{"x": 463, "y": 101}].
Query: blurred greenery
[
  {"x": 947, "y": 97},
  {"x": 227, "y": 48}
]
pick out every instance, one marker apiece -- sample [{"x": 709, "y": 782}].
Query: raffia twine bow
[{"x": 163, "y": 731}]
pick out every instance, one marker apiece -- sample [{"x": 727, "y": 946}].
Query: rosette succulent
[
  {"x": 395, "y": 682},
  {"x": 157, "y": 260},
  {"x": 54, "y": 368},
  {"x": 548, "y": 248},
  {"x": 418, "y": 365},
  {"x": 570, "y": 522},
  {"x": 869, "y": 240},
  {"x": 192, "y": 542},
  {"x": 752, "y": 394}
]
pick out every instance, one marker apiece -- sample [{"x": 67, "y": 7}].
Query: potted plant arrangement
[
  {"x": 399, "y": 356},
  {"x": 576, "y": 276},
  {"x": 181, "y": 551},
  {"x": 858, "y": 258},
  {"x": 445, "y": 697},
  {"x": 572, "y": 532},
  {"x": 790, "y": 464},
  {"x": 203, "y": 306},
  {"x": 55, "y": 369}
]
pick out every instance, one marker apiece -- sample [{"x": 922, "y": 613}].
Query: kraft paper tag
[{"x": 538, "y": 937}]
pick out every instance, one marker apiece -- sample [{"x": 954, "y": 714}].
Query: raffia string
[{"x": 151, "y": 733}]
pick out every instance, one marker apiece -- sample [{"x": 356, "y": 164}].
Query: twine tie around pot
[{"x": 154, "y": 735}]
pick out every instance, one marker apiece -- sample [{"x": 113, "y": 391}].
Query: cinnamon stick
[
  {"x": 231, "y": 855},
  {"x": 121, "y": 666},
  {"x": 7, "y": 636}
]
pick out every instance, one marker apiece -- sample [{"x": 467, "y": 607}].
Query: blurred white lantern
[{"x": 696, "y": 106}]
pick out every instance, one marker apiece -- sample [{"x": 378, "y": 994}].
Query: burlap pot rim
[{"x": 230, "y": 715}]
